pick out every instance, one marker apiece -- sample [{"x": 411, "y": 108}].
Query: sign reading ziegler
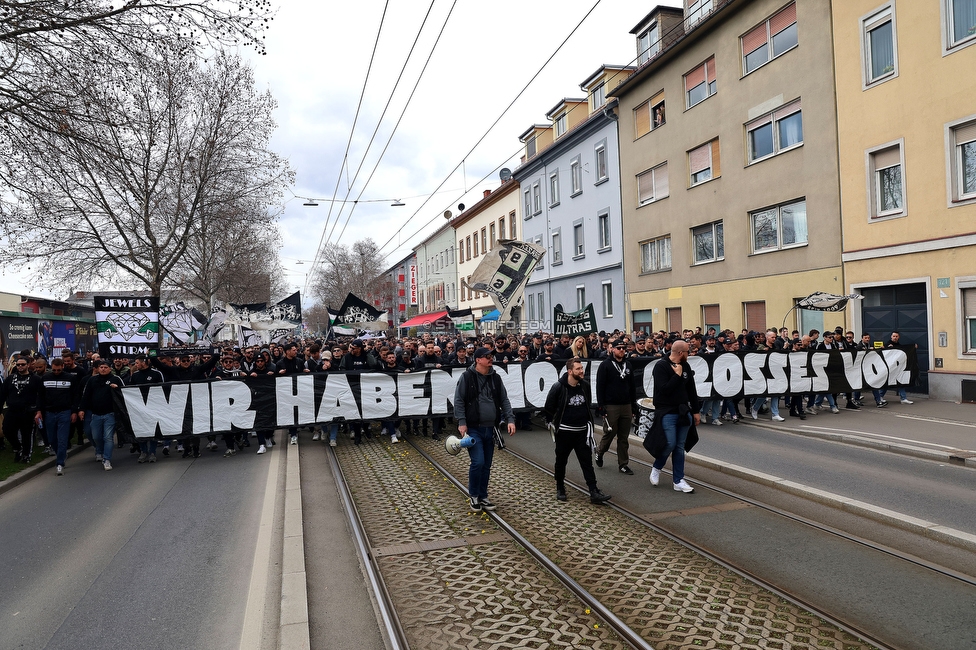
[{"x": 269, "y": 402}]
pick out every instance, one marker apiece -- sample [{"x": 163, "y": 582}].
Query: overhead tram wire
[
  {"x": 397, "y": 125},
  {"x": 352, "y": 130},
  {"x": 674, "y": 29},
  {"x": 497, "y": 120}
]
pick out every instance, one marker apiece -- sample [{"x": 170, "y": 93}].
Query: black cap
[
  {"x": 357, "y": 343},
  {"x": 482, "y": 352},
  {"x": 620, "y": 343}
]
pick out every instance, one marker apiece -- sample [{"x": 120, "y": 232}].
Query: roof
[
  {"x": 603, "y": 68},
  {"x": 563, "y": 102}
]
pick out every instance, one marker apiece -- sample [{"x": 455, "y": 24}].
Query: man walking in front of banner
[
  {"x": 616, "y": 397},
  {"x": 676, "y": 415},
  {"x": 481, "y": 403},
  {"x": 21, "y": 391},
  {"x": 568, "y": 415}
]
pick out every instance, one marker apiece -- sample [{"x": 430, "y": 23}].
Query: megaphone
[{"x": 453, "y": 444}]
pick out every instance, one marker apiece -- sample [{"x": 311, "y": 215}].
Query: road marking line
[
  {"x": 958, "y": 424},
  {"x": 877, "y": 435}
]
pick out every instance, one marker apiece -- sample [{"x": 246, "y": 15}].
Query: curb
[
  {"x": 28, "y": 473},
  {"x": 293, "y": 623},
  {"x": 937, "y": 532}
]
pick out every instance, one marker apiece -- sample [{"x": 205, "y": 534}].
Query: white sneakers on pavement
[
  {"x": 682, "y": 486},
  {"x": 907, "y": 401},
  {"x": 316, "y": 435},
  {"x": 332, "y": 443},
  {"x": 394, "y": 440},
  {"x": 655, "y": 476},
  {"x": 60, "y": 470},
  {"x": 294, "y": 440},
  {"x": 777, "y": 418},
  {"x": 262, "y": 449},
  {"x": 107, "y": 464}
]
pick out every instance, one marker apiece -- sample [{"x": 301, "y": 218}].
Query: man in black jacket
[
  {"x": 61, "y": 395},
  {"x": 568, "y": 414},
  {"x": 616, "y": 398},
  {"x": 143, "y": 374},
  {"x": 21, "y": 391},
  {"x": 98, "y": 403},
  {"x": 676, "y": 414}
]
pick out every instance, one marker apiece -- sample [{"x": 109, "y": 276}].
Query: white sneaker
[
  {"x": 682, "y": 486},
  {"x": 834, "y": 409},
  {"x": 262, "y": 449},
  {"x": 394, "y": 440},
  {"x": 294, "y": 440},
  {"x": 655, "y": 476},
  {"x": 98, "y": 458},
  {"x": 332, "y": 443},
  {"x": 907, "y": 401},
  {"x": 60, "y": 470},
  {"x": 107, "y": 464},
  {"x": 717, "y": 422},
  {"x": 316, "y": 435},
  {"x": 777, "y": 418},
  {"x": 754, "y": 414}
]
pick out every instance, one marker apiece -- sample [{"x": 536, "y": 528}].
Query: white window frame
[
  {"x": 531, "y": 309},
  {"x": 658, "y": 245},
  {"x": 512, "y": 221},
  {"x": 556, "y": 241},
  {"x": 711, "y": 85},
  {"x": 536, "y": 198},
  {"x": 715, "y": 252},
  {"x": 778, "y": 209},
  {"x": 954, "y": 194},
  {"x": 580, "y": 296},
  {"x": 559, "y": 124},
  {"x": 600, "y": 162},
  {"x": 542, "y": 305},
  {"x": 697, "y": 11},
  {"x": 648, "y": 44},
  {"x": 576, "y": 176},
  {"x": 501, "y": 227},
  {"x": 528, "y": 203},
  {"x": 964, "y": 284},
  {"x": 599, "y": 96},
  {"x": 770, "y": 54},
  {"x": 787, "y": 110},
  {"x": 949, "y": 44},
  {"x": 579, "y": 243},
  {"x": 538, "y": 242},
  {"x": 653, "y": 175},
  {"x": 883, "y": 14},
  {"x": 554, "y": 189},
  {"x": 604, "y": 227},
  {"x": 691, "y": 176},
  {"x": 875, "y": 213},
  {"x": 607, "y": 290}
]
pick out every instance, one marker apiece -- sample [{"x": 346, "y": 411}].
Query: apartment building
[
  {"x": 728, "y": 167},
  {"x": 907, "y": 149}
]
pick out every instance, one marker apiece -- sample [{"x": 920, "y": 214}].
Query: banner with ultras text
[{"x": 270, "y": 402}]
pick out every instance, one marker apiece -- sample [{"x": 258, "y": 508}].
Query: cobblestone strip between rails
[{"x": 455, "y": 579}]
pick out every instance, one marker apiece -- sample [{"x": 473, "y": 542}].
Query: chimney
[{"x": 487, "y": 192}]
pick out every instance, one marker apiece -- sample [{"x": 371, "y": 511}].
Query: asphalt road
[{"x": 144, "y": 556}]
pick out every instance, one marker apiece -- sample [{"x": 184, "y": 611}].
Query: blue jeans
[
  {"x": 902, "y": 394},
  {"x": 148, "y": 447},
  {"x": 757, "y": 403},
  {"x": 830, "y": 400},
  {"x": 333, "y": 430},
  {"x": 103, "y": 434},
  {"x": 58, "y": 425},
  {"x": 481, "y": 455},
  {"x": 676, "y": 435}
]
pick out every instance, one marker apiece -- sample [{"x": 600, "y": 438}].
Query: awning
[
  {"x": 490, "y": 316},
  {"x": 424, "y": 319}
]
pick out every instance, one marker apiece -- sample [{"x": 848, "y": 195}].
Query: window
[
  {"x": 580, "y": 297},
  {"x": 962, "y": 149},
  {"x": 695, "y": 12},
  {"x": 649, "y": 115},
  {"x": 755, "y": 315},
  {"x": 603, "y": 223},
  {"x": 775, "y": 132},
  {"x": 700, "y": 83},
  {"x": 885, "y": 182},
  {"x": 607, "y": 299},
  {"x": 491, "y": 234},
  {"x": 656, "y": 255},
  {"x": 501, "y": 227},
  {"x": 674, "y": 319},
  {"x": 878, "y": 46},
  {"x": 576, "y": 176},
  {"x": 542, "y": 306},
  {"x": 770, "y": 39},
  {"x": 578, "y": 249},
  {"x": 468, "y": 240},
  {"x": 600, "y": 154},
  {"x": 460, "y": 250},
  {"x": 527, "y": 211},
  {"x": 648, "y": 44},
  {"x": 961, "y": 23},
  {"x": 538, "y": 242},
  {"x": 484, "y": 241},
  {"x": 969, "y": 319},
  {"x": 779, "y": 227},
  {"x": 530, "y": 147},
  {"x": 536, "y": 199},
  {"x": 708, "y": 242},
  {"x": 531, "y": 308},
  {"x": 652, "y": 185},
  {"x": 476, "y": 243},
  {"x": 711, "y": 317},
  {"x": 554, "y": 188},
  {"x": 560, "y": 123},
  {"x": 704, "y": 163},
  {"x": 557, "y": 248},
  {"x": 511, "y": 221},
  {"x": 599, "y": 96}
]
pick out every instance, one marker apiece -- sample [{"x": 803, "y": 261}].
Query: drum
[{"x": 645, "y": 417}]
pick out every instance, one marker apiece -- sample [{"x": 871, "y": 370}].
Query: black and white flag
[
  {"x": 823, "y": 301},
  {"x": 504, "y": 272},
  {"x": 127, "y": 326},
  {"x": 181, "y": 322},
  {"x": 356, "y": 313},
  {"x": 575, "y": 322}
]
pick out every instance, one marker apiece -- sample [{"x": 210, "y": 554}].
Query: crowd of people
[{"x": 52, "y": 404}]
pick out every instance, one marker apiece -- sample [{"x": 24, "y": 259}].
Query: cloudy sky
[{"x": 485, "y": 54}]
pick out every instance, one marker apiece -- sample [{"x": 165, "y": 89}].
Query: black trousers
[
  {"x": 570, "y": 441},
  {"x": 22, "y": 421}
]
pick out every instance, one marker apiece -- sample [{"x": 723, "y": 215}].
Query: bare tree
[
  {"x": 343, "y": 270},
  {"x": 148, "y": 161}
]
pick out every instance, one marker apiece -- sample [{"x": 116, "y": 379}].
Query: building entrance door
[{"x": 902, "y": 308}]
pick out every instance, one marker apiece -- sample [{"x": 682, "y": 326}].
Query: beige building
[
  {"x": 729, "y": 177},
  {"x": 907, "y": 148},
  {"x": 477, "y": 229}
]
